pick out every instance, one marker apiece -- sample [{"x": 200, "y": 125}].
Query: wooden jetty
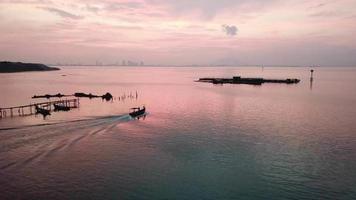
[
  {"x": 251, "y": 81},
  {"x": 26, "y": 110}
]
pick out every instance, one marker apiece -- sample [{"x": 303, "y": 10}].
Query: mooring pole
[{"x": 311, "y": 79}]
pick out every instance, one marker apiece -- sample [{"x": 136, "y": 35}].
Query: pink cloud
[{"x": 177, "y": 32}]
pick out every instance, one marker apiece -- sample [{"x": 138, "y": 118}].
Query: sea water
[{"x": 197, "y": 141}]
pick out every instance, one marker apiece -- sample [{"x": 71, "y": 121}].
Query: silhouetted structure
[
  {"x": 59, "y": 107},
  {"x": 107, "y": 97},
  {"x": 48, "y": 96},
  {"x": 311, "y": 74},
  {"x": 10, "y": 67},
  {"x": 30, "y": 109},
  {"x": 311, "y": 78},
  {"x": 137, "y": 111},
  {"x": 42, "y": 111},
  {"x": 81, "y": 94},
  {"x": 250, "y": 81}
]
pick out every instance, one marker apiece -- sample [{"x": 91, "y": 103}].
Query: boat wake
[
  {"x": 115, "y": 117},
  {"x": 25, "y": 145}
]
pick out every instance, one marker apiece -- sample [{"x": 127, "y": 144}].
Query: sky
[{"x": 180, "y": 32}]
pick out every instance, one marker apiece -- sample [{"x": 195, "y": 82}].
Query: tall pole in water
[{"x": 311, "y": 79}]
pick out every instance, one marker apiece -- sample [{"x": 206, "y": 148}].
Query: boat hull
[
  {"x": 61, "y": 108},
  {"x": 137, "y": 113}
]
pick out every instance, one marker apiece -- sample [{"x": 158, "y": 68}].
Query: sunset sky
[{"x": 180, "y": 32}]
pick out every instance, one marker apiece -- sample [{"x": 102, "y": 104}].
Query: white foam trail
[{"x": 35, "y": 142}]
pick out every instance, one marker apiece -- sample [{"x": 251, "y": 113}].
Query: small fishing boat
[
  {"x": 42, "y": 111},
  {"x": 58, "y": 107},
  {"x": 137, "y": 111}
]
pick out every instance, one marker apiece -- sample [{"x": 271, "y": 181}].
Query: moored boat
[
  {"x": 58, "y": 107},
  {"x": 42, "y": 111}
]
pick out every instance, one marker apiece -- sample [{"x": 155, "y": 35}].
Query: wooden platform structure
[
  {"x": 250, "y": 81},
  {"x": 30, "y": 109}
]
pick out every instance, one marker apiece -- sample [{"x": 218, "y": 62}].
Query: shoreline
[{"x": 15, "y": 67}]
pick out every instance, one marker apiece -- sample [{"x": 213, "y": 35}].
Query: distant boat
[
  {"x": 58, "y": 107},
  {"x": 137, "y": 111}
]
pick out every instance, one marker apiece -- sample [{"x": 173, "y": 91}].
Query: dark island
[{"x": 11, "y": 67}]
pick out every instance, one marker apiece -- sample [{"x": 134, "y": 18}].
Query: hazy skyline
[{"x": 269, "y": 32}]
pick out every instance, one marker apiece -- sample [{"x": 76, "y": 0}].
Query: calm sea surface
[{"x": 198, "y": 141}]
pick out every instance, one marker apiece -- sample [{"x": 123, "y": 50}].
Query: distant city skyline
[{"x": 185, "y": 32}]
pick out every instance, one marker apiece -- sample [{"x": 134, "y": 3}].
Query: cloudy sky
[{"x": 179, "y": 32}]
